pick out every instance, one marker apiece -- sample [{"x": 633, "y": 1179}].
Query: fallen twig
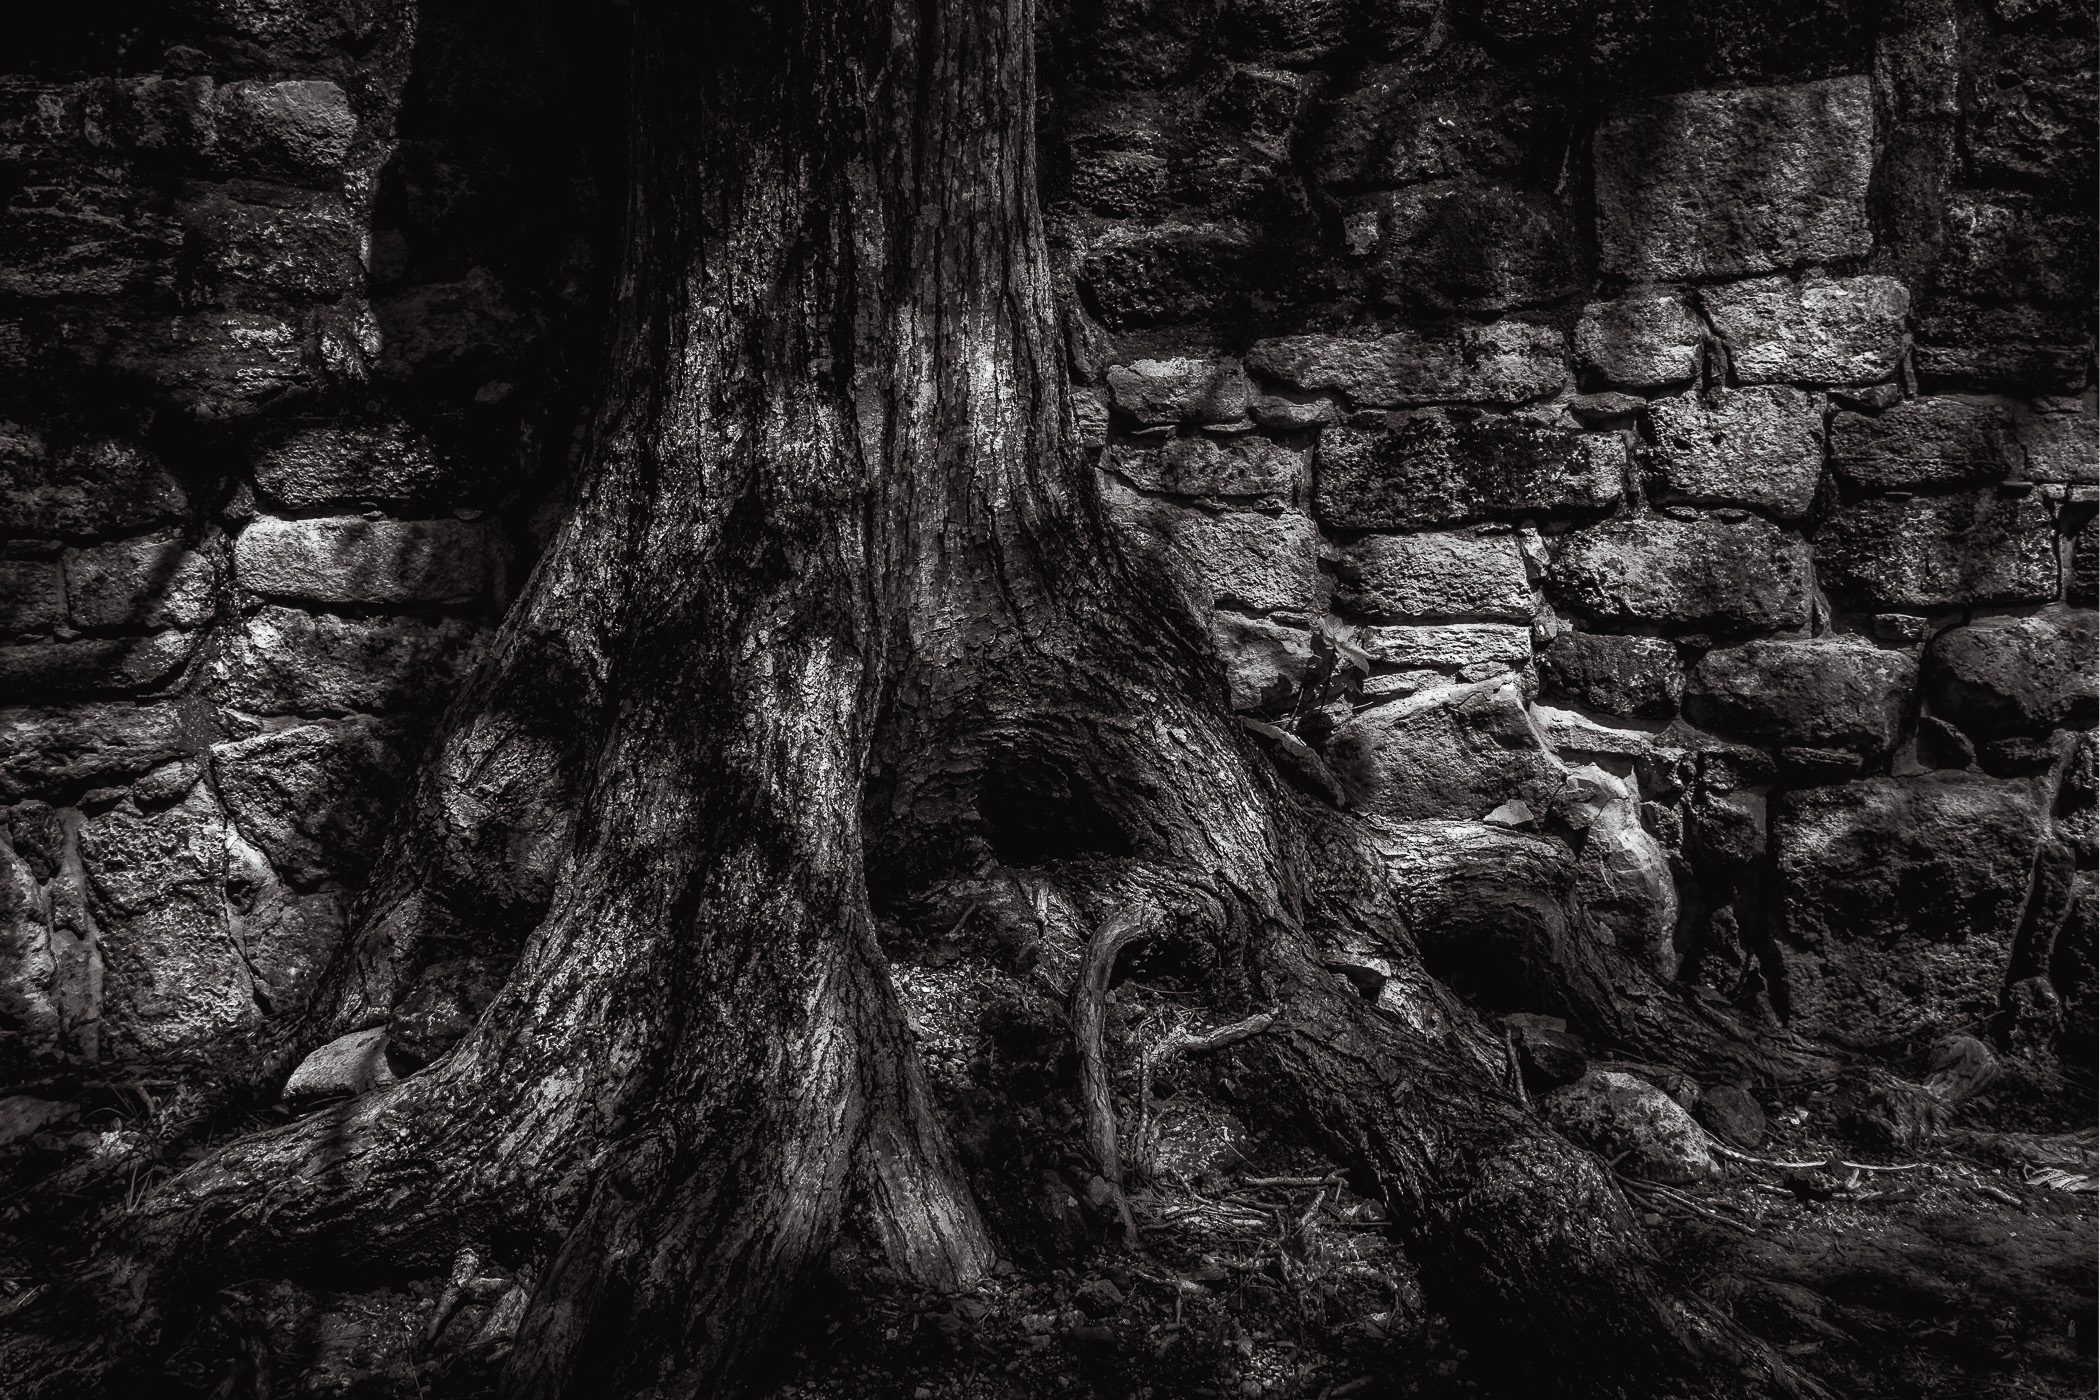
[{"x": 1831, "y": 1165}]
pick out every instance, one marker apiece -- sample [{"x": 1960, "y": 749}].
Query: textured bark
[{"x": 835, "y": 596}]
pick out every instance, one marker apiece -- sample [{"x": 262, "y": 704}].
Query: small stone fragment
[
  {"x": 1731, "y": 1114},
  {"x": 1617, "y": 1115},
  {"x": 348, "y": 1065}
]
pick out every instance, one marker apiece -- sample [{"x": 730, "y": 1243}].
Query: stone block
[
  {"x": 318, "y": 464},
  {"x": 1642, "y": 340},
  {"x": 32, "y": 595},
  {"x": 1471, "y": 650},
  {"x": 1440, "y": 467},
  {"x": 1455, "y": 575},
  {"x": 65, "y": 750},
  {"x": 1154, "y": 392},
  {"x": 1631, "y": 1121},
  {"x": 1933, "y": 552},
  {"x": 95, "y": 488},
  {"x": 1820, "y": 330},
  {"x": 1508, "y": 362},
  {"x": 1722, "y": 183},
  {"x": 2005, "y": 676},
  {"x": 2060, "y": 447},
  {"x": 155, "y": 580},
  {"x": 300, "y": 127},
  {"x": 172, "y": 980},
  {"x": 271, "y": 239},
  {"x": 1709, "y": 574},
  {"x": 1923, "y": 442},
  {"x": 1825, "y": 692},
  {"x": 1899, "y": 899},
  {"x": 1759, "y": 447},
  {"x": 1255, "y": 562},
  {"x": 217, "y": 366},
  {"x": 1477, "y": 246},
  {"x": 286, "y": 661},
  {"x": 2019, "y": 348},
  {"x": 94, "y": 665},
  {"x": 1245, "y": 466},
  {"x": 1455, "y": 751},
  {"x": 315, "y": 798},
  {"x": 349, "y": 559},
  {"x": 1639, "y": 676}
]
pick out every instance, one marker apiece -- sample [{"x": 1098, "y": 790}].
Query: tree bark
[{"x": 836, "y": 596}]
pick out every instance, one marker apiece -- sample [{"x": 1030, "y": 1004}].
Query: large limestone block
[
  {"x": 1935, "y": 552},
  {"x": 1247, "y": 560},
  {"x": 94, "y": 665},
  {"x": 349, "y": 559},
  {"x": 319, "y": 464},
  {"x": 95, "y": 488},
  {"x": 286, "y": 661},
  {"x": 1456, "y": 751},
  {"x": 315, "y": 798},
  {"x": 1445, "y": 575},
  {"x": 1247, "y": 465},
  {"x": 1760, "y": 447},
  {"x": 1639, "y": 676},
  {"x": 1643, "y": 340},
  {"x": 2061, "y": 447},
  {"x": 1460, "y": 647},
  {"x": 32, "y": 595},
  {"x": 1708, "y": 573},
  {"x": 1824, "y": 692},
  {"x": 1899, "y": 899},
  {"x": 1722, "y": 183},
  {"x": 1820, "y": 330},
  {"x": 66, "y": 749},
  {"x": 155, "y": 580},
  {"x": 2002, "y": 676},
  {"x": 1475, "y": 245},
  {"x": 1155, "y": 392},
  {"x": 301, "y": 127},
  {"x": 173, "y": 978},
  {"x": 1924, "y": 442},
  {"x": 1508, "y": 362},
  {"x": 1439, "y": 467}
]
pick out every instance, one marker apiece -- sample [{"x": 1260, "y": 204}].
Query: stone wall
[
  {"x": 1672, "y": 433},
  {"x": 295, "y": 304}
]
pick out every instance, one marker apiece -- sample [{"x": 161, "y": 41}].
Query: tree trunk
[{"x": 836, "y": 594}]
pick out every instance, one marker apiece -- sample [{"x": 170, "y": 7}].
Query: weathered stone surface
[
  {"x": 1642, "y": 340},
  {"x": 1293, "y": 409},
  {"x": 349, "y": 559},
  {"x": 29, "y": 1014},
  {"x": 2082, "y": 576},
  {"x": 1507, "y": 362},
  {"x": 1247, "y": 465},
  {"x": 322, "y": 463},
  {"x": 1265, "y": 660},
  {"x": 1923, "y": 442},
  {"x": 2060, "y": 447},
  {"x": 314, "y": 798},
  {"x": 2004, "y": 676},
  {"x": 1458, "y": 575},
  {"x": 246, "y": 238},
  {"x": 96, "y": 488},
  {"x": 1825, "y": 692},
  {"x": 1456, "y": 751},
  {"x": 173, "y": 978},
  {"x": 1638, "y": 676},
  {"x": 1622, "y": 876},
  {"x": 300, "y": 128},
  {"x": 1821, "y": 330},
  {"x": 1473, "y": 650},
  {"x": 2017, "y": 348},
  {"x": 1247, "y": 560},
  {"x": 1708, "y": 573},
  {"x": 1760, "y": 447},
  {"x": 218, "y": 366},
  {"x": 1900, "y": 898},
  {"x": 1730, "y": 1113},
  {"x": 1619, "y": 1116},
  {"x": 1437, "y": 467},
  {"x": 1473, "y": 245},
  {"x": 1722, "y": 183},
  {"x": 349, "y": 1064},
  {"x": 72, "y": 748},
  {"x": 1938, "y": 552},
  {"x": 93, "y": 665},
  {"x": 1180, "y": 391},
  {"x": 285, "y": 661},
  {"x": 32, "y": 595},
  {"x": 156, "y": 580}
]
